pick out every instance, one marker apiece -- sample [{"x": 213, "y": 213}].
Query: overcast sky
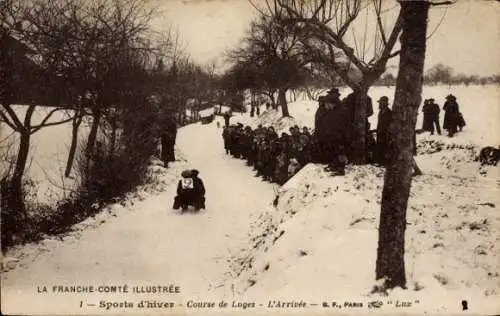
[{"x": 465, "y": 36}]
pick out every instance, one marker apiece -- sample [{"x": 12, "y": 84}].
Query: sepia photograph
[{"x": 249, "y": 157}]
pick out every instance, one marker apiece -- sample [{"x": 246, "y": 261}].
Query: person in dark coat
[
  {"x": 226, "y": 137},
  {"x": 185, "y": 191},
  {"x": 227, "y": 117},
  {"x": 236, "y": 140},
  {"x": 384, "y": 120},
  {"x": 319, "y": 132},
  {"x": 190, "y": 191},
  {"x": 350, "y": 104},
  {"x": 303, "y": 152},
  {"x": 168, "y": 137},
  {"x": 451, "y": 115},
  {"x": 461, "y": 121},
  {"x": 333, "y": 132},
  {"x": 305, "y": 131},
  {"x": 431, "y": 116},
  {"x": 199, "y": 190},
  {"x": 271, "y": 134}
]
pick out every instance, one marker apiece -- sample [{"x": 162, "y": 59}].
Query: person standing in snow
[
  {"x": 227, "y": 117},
  {"x": 431, "y": 116},
  {"x": 247, "y": 143},
  {"x": 319, "y": 132},
  {"x": 168, "y": 137},
  {"x": 451, "y": 115},
  {"x": 226, "y": 131},
  {"x": 350, "y": 104},
  {"x": 332, "y": 132},
  {"x": 384, "y": 120}
]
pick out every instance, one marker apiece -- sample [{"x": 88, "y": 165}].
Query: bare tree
[
  {"x": 273, "y": 53},
  {"x": 439, "y": 73}
]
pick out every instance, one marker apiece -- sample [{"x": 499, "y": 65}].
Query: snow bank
[{"x": 320, "y": 242}]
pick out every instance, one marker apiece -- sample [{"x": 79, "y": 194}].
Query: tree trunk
[
  {"x": 390, "y": 263},
  {"x": 24, "y": 147},
  {"x": 74, "y": 142},
  {"x": 16, "y": 183},
  {"x": 252, "y": 103},
  {"x": 114, "y": 128},
  {"x": 93, "y": 134},
  {"x": 22, "y": 158},
  {"x": 270, "y": 94},
  {"x": 89, "y": 150},
  {"x": 282, "y": 102},
  {"x": 359, "y": 128}
]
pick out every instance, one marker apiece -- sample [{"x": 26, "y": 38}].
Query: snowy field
[{"x": 318, "y": 245}]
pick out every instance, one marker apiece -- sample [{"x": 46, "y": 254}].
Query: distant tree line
[{"x": 442, "y": 74}]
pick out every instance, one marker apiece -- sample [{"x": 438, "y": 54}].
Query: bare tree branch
[
  {"x": 378, "y": 12},
  {"x": 16, "y": 121},
  {"x": 27, "y": 117},
  {"x": 438, "y": 3},
  {"x": 44, "y": 123},
  {"x": 8, "y": 122}
]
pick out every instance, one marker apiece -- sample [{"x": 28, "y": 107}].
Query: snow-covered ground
[
  {"x": 317, "y": 245},
  {"x": 320, "y": 243}
]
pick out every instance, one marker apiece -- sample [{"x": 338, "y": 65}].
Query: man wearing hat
[
  {"x": 431, "y": 116},
  {"x": 227, "y": 116},
  {"x": 331, "y": 132},
  {"x": 384, "y": 120},
  {"x": 451, "y": 115}
]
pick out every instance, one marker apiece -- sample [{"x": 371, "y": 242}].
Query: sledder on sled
[{"x": 190, "y": 191}]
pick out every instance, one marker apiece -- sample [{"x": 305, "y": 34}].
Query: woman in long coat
[
  {"x": 383, "y": 138},
  {"x": 451, "y": 115}
]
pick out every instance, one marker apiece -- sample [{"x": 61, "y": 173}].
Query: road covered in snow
[{"x": 145, "y": 246}]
